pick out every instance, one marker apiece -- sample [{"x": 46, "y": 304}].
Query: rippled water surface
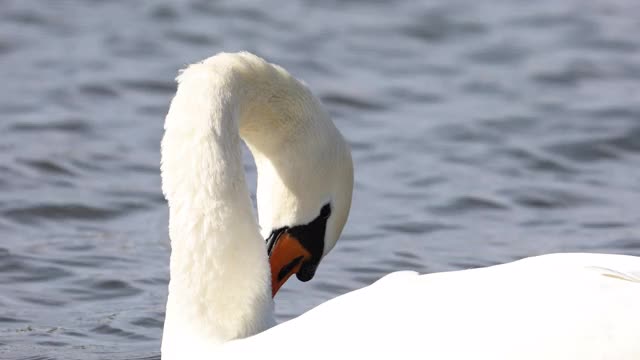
[{"x": 482, "y": 132}]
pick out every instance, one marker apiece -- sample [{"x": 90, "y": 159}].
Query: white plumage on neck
[{"x": 219, "y": 288}]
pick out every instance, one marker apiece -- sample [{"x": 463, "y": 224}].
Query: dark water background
[{"x": 482, "y": 132}]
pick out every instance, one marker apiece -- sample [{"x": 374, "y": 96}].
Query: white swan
[{"x": 562, "y": 306}]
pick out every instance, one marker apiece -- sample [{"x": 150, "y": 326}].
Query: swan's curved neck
[{"x": 220, "y": 279}]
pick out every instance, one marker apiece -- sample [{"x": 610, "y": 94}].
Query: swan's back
[{"x": 561, "y": 306}]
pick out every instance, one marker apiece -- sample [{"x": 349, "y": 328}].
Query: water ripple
[
  {"x": 336, "y": 99},
  {"x": 440, "y": 25},
  {"x": 47, "y": 166},
  {"x": 415, "y": 228},
  {"x": 469, "y": 203},
  {"x": 68, "y": 125},
  {"x": 18, "y": 268},
  {"x": 545, "y": 198},
  {"x": 33, "y": 214},
  {"x": 108, "y": 330}
]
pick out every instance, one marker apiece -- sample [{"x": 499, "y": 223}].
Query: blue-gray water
[{"x": 482, "y": 132}]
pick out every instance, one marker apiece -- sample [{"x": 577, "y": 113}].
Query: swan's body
[
  {"x": 571, "y": 306},
  {"x": 552, "y": 307}
]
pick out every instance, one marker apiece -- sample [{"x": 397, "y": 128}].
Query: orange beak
[{"x": 286, "y": 259}]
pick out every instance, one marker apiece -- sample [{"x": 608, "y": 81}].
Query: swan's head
[
  {"x": 313, "y": 225},
  {"x": 305, "y": 181},
  {"x": 307, "y": 209}
]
